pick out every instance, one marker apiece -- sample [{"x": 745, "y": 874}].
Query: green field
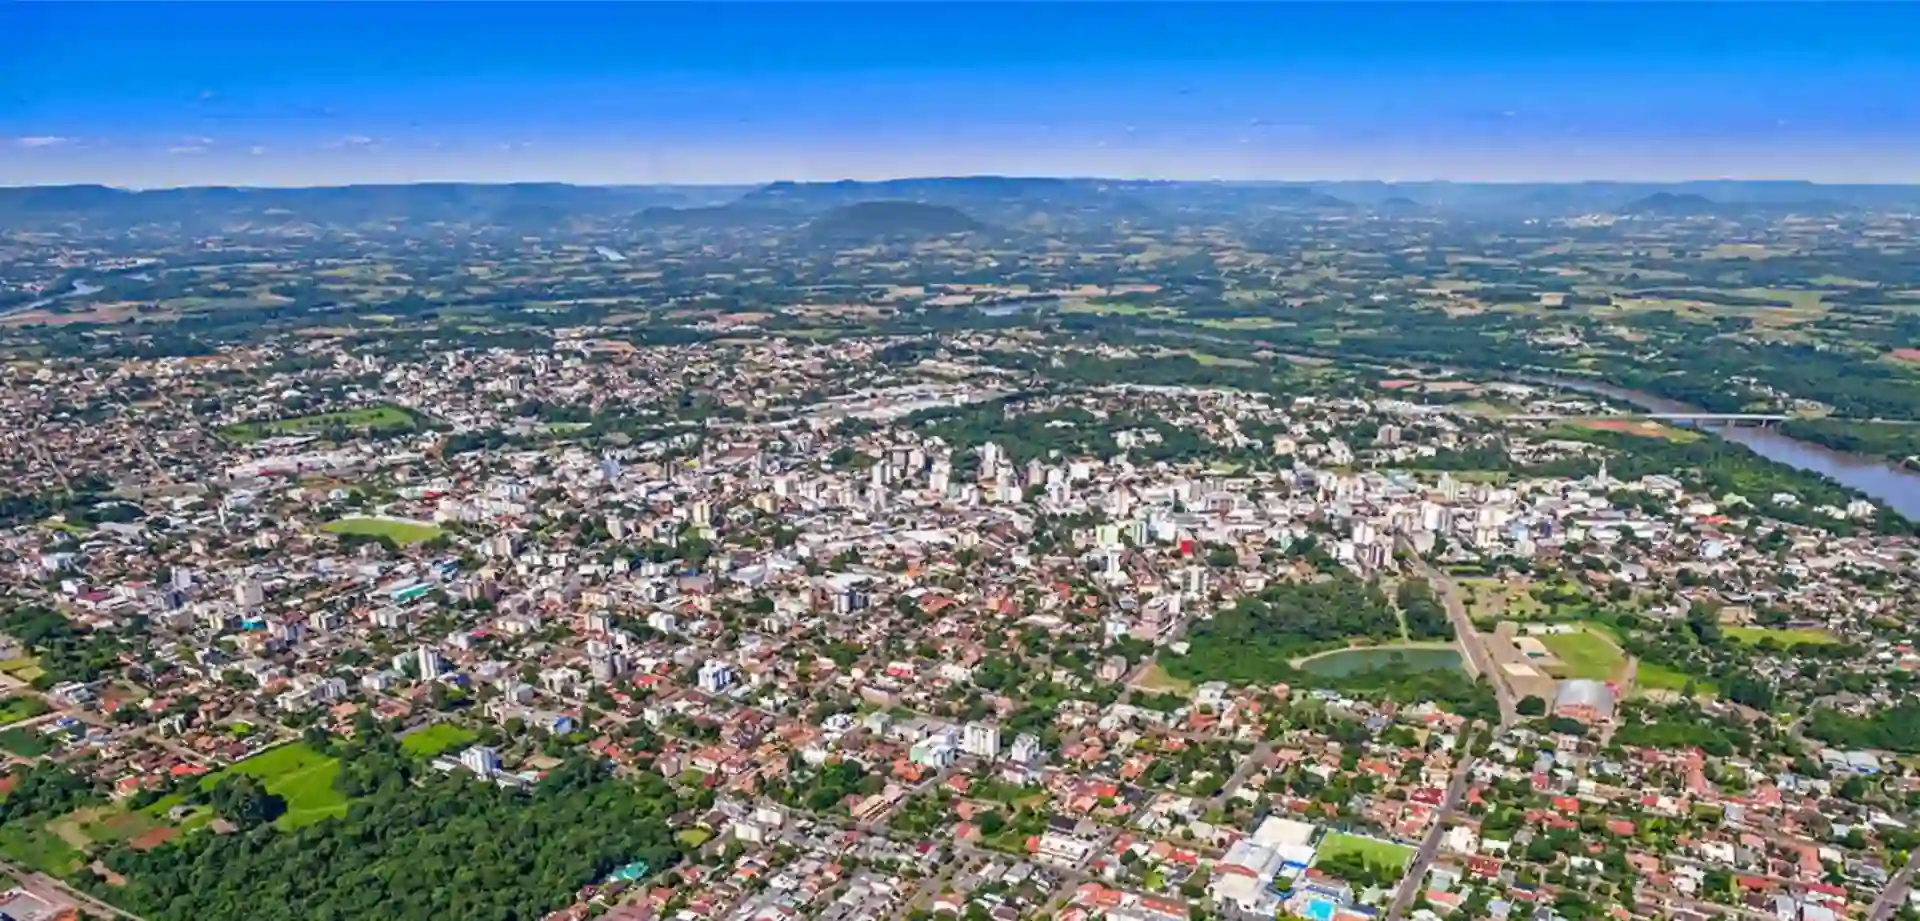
[
  {"x": 1155, "y": 680},
  {"x": 439, "y": 737},
  {"x": 1373, "y": 850},
  {"x": 384, "y": 418},
  {"x": 295, "y": 773},
  {"x": 35, "y": 846},
  {"x": 1584, "y": 654},
  {"x": 400, "y": 532},
  {"x": 1781, "y": 636},
  {"x": 25, "y": 669},
  {"x": 1489, "y": 599},
  {"x": 24, "y": 742},
  {"x": 1651, "y": 677},
  {"x": 21, "y": 707},
  {"x": 692, "y": 838}
]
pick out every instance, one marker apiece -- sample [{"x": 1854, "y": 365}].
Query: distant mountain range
[
  {"x": 877, "y": 220},
  {"x": 997, "y": 201}
]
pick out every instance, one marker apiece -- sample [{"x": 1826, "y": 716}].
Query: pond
[{"x": 1344, "y": 662}]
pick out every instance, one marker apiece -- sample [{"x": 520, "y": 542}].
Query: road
[
  {"x": 1471, "y": 643},
  {"x": 1896, "y": 892},
  {"x": 1248, "y": 765},
  {"x": 1475, "y": 649},
  {"x": 35, "y": 880},
  {"x": 1430, "y": 845}
]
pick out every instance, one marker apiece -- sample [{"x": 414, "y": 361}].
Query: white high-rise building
[
  {"x": 1027, "y": 750},
  {"x": 990, "y": 459},
  {"x": 715, "y": 676},
  {"x": 981, "y": 740},
  {"x": 481, "y": 760},
  {"x": 249, "y": 593},
  {"x": 430, "y": 663}
]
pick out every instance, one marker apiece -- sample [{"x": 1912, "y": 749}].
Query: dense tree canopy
[{"x": 452, "y": 847}]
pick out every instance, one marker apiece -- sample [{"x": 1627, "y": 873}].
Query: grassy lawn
[
  {"x": 35, "y": 846},
  {"x": 1498, "y": 599},
  {"x": 1375, "y": 851},
  {"x": 439, "y": 737},
  {"x": 385, "y": 418},
  {"x": 119, "y": 826},
  {"x": 24, "y": 742},
  {"x": 1155, "y": 680},
  {"x": 21, "y": 707},
  {"x": 1781, "y": 636},
  {"x": 691, "y": 838},
  {"x": 295, "y": 773},
  {"x": 401, "y": 532},
  {"x": 1585, "y": 654},
  {"x": 25, "y": 669},
  {"x": 1653, "y": 677}
]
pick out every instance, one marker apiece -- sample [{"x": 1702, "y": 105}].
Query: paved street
[{"x": 1474, "y": 648}]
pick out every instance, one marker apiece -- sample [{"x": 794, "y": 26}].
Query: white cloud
[
  {"x": 256, "y": 150},
  {"x": 184, "y": 149},
  {"x": 41, "y": 140},
  {"x": 353, "y": 142}
]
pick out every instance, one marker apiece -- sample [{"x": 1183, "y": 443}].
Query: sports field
[
  {"x": 384, "y": 418},
  {"x": 400, "y": 532},
  {"x": 1373, "y": 850},
  {"x": 1584, "y": 654}
]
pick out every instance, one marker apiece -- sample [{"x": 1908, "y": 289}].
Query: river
[
  {"x": 79, "y": 289},
  {"x": 1896, "y": 487},
  {"x": 1892, "y": 485}
]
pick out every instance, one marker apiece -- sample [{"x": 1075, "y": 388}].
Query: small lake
[{"x": 1344, "y": 662}]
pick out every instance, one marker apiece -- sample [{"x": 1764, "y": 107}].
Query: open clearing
[
  {"x": 383, "y": 418},
  {"x": 295, "y": 773},
  {"x": 25, "y": 669},
  {"x": 439, "y": 737},
  {"x": 1642, "y": 427},
  {"x": 24, "y": 742},
  {"x": 1155, "y": 680},
  {"x": 1498, "y": 599},
  {"x": 1651, "y": 677},
  {"x": 1373, "y": 850},
  {"x": 1781, "y": 636},
  {"x": 1584, "y": 654},
  {"x": 37, "y": 847},
  {"x": 22, "y": 707},
  {"x": 395, "y": 529}
]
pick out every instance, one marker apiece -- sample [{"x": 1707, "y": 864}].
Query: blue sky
[{"x": 295, "y": 94}]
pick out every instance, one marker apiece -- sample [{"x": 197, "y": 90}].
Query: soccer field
[
  {"x": 401, "y": 532},
  {"x": 1375, "y": 851},
  {"x": 1585, "y": 654}
]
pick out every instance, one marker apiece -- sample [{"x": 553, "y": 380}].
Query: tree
[
  {"x": 244, "y": 801},
  {"x": 1531, "y": 705}
]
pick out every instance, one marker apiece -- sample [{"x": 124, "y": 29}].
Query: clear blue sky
[{"x": 293, "y": 94}]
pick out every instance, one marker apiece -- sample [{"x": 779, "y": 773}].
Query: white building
[
  {"x": 981, "y": 740},
  {"x": 429, "y": 661},
  {"x": 1027, "y": 750},
  {"x": 715, "y": 676},
  {"x": 481, "y": 760}
]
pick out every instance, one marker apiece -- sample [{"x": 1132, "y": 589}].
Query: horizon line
[{"x": 1769, "y": 180}]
